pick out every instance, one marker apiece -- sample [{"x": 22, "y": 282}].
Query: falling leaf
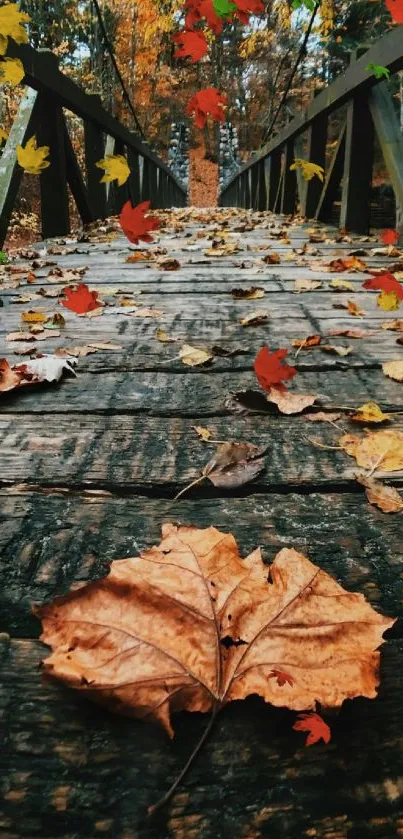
[
  {"x": 315, "y": 725},
  {"x": 189, "y": 625},
  {"x": 337, "y": 350},
  {"x": 388, "y": 236},
  {"x": 196, "y": 10},
  {"x": 204, "y": 433},
  {"x": 115, "y": 168},
  {"x": 207, "y": 101},
  {"x": 32, "y": 158},
  {"x": 80, "y": 299},
  {"x": 163, "y": 336},
  {"x": 395, "y": 7},
  {"x": 370, "y": 412},
  {"x": 270, "y": 369},
  {"x": 255, "y": 319},
  {"x": 383, "y": 448},
  {"x": 281, "y": 678},
  {"x": 341, "y": 285},
  {"x": 309, "y": 170},
  {"x": 135, "y": 222},
  {"x": 252, "y": 293},
  {"x": 192, "y": 45},
  {"x": 192, "y": 356},
  {"x": 12, "y": 23},
  {"x": 386, "y": 498},
  {"x": 394, "y": 369},
  {"x": 290, "y": 403},
  {"x": 11, "y": 72},
  {"x": 306, "y": 285},
  {"x": 391, "y": 290}
]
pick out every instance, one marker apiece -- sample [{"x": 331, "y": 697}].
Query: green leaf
[
  {"x": 306, "y": 4},
  {"x": 224, "y": 8},
  {"x": 3, "y": 258},
  {"x": 378, "y": 71}
]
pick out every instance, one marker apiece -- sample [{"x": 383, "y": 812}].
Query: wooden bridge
[{"x": 90, "y": 466}]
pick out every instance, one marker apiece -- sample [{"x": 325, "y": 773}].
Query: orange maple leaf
[
  {"x": 80, "y": 299},
  {"x": 281, "y": 678},
  {"x": 395, "y": 7},
  {"x": 315, "y": 725},
  {"x": 270, "y": 370},
  {"x": 385, "y": 282},
  {"x": 193, "y": 45},
  {"x": 389, "y": 237},
  {"x": 207, "y": 101},
  {"x": 136, "y": 224}
]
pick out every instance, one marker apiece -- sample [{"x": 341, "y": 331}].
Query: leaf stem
[
  {"x": 189, "y": 486},
  {"x": 168, "y": 795}
]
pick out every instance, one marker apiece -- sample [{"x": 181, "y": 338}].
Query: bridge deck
[{"x": 89, "y": 470}]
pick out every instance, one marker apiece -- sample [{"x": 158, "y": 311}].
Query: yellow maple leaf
[
  {"x": 388, "y": 300},
  {"x": 12, "y": 25},
  {"x": 31, "y": 158},
  {"x": 370, "y": 412},
  {"x": 309, "y": 170},
  {"x": 11, "y": 71},
  {"x": 116, "y": 169},
  {"x": 3, "y": 135}
]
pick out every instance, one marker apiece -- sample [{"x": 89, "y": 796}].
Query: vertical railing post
[
  {"x": 94, "y": 142},
  {"x": 145, "y": 182},
  {"x": 358, "y": 161},
  {"x": 274, "y": 177},
  {"x": 134, "y": 179},
  {"x": 289, "y": 185},
  {"x": 317, "y": 138}
]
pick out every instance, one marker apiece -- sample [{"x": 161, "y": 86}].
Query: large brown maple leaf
[{"x": 189, "y": 625}]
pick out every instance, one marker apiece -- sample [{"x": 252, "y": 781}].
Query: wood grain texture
[{"x": 89, "y": 469}]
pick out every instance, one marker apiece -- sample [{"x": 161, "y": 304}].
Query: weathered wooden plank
[
  {"x": 201, "y": 394},
  {"x": 165, "y": 454},
  {"x": 71, "y": 769}
]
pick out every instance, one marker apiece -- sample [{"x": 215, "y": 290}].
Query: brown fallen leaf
[
  {"x": 290, "y": 403},
  {"x": 9, "y": 379},
  {"x": 306, "y": 285},
  {"x": 166, "y": 263},
  {"x": 190, "y": 626},
  {"x": 145, "y": 313},
  {"x": 352, "y": 263},
  {"x": 233, "y": 465},
  {"x": 306, "y": 343},
  {"x": 253, "y": 293},
  {"x": 271, "y": 258},
  {"x": 336, "y": 349},
  {"x": 224, "y": 250},
  {"x": 379, "y": 448},
  {"x": 163, "y": 336},
  {"x": 351, "y": 307},
  {"x": 193, "y": 356},
  {"x": 351, "y": 333},
  {"x": 394, "y": 369},
  {"x": 395, "y": 325},
  {"x": 370, "y": 412},
  {"x": 322, "y": 416},
  {"x": 139, "y": 256},
  {"x": 386, "y": 498},
  {"x": 255, "y": 319}
]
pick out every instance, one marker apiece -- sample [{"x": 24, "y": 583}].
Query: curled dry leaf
[
  {"x": 290, "y": 403},
  {"x": 336, "y": 349},
  {"x": 272, "y": 258},
  {"x": 166, "y": 263},
  {"x": 193, "y": 356},
  {"x": 379, "y": 448},
  {"x": 189, "y": 625},
  {"x": 322, "y": 416},
  {"x": 370, "y": 412},
  {"x": 351, "y": 307},
  {"x": 352, "y": 263},
  {"x": 306, "y": 285},
  {"x": 351, "y": 333},
  {"x": 385, "y": 497},
  {"x": 234, "y": 464},
  {"x": 204, "y": 433},
  {"x": 306, "y": 343},
  {"x": 255, "y": 319},
  {"x": 394, "y": 369},
  {"x": 164, "y": 338},
  {"x": 253, "y": 293},
  {"x": 395, "y": 325},
  {"x": 9, "y": 379}
]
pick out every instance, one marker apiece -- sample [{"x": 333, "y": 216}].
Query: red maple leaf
[
  {"x": 135, "y": 224},
  {"x": 196, "y": 10},
  {"x": 245, "y": 8},
  {"x": 207, "y": 101},
  {"x": 269, "y": 369},
  {"x": 395, "y": 7},
  {"x": 193, "y": 45},
  {"x": 315, "y": 725},
  {"x": 80, "y": 299},
  {"x": 281, "y": 678},
  {"x": 385, "y": 282},
  {"x": 389, "y": 237}
]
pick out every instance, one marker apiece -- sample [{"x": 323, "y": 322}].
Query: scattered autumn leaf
[
  {"x": 315, "y": 726},
  {"x": 306, "y": 343},
  {"x": 136, "y": 223},
  {"x": 386, "y": 498},
  {"x": 378, "y": 448},
  {"x": 252, "y": 293},
  {"x": 341, "y": 285},
  {"x": 270, "y": 369},
  {"x": 192, "y": 45},
  {"x": 255, "y": 319},
  {"x": 388, "y": 236},
  {"x": 306, "y": 285},
  {"x": 80, "y": 299},
  {"x": 394, "y": 325},
  {"x": 370, "y": 412},
  {"x": 204, "y": 102},
  {"x": 394, "y": 369},
  {"x": 31, "y": 157},
  {"x": 271, "y": 258},
  {"x": 204, "y": 433},
  {"x": 115, "y": 168},
  {"x": 351, "y": 263},
  {"x": 163, "y": 336},
  {"x": 193, "y": 356},
  {"x": 337, "y": 350},
  {"x": 290, "y": 403},
  {"x": 351, "y": 333}
]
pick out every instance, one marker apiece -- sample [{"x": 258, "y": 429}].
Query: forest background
[{"x": 250, "y": 62}]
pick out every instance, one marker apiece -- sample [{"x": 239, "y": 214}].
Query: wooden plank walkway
[{"x": 88, "y": 472}]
